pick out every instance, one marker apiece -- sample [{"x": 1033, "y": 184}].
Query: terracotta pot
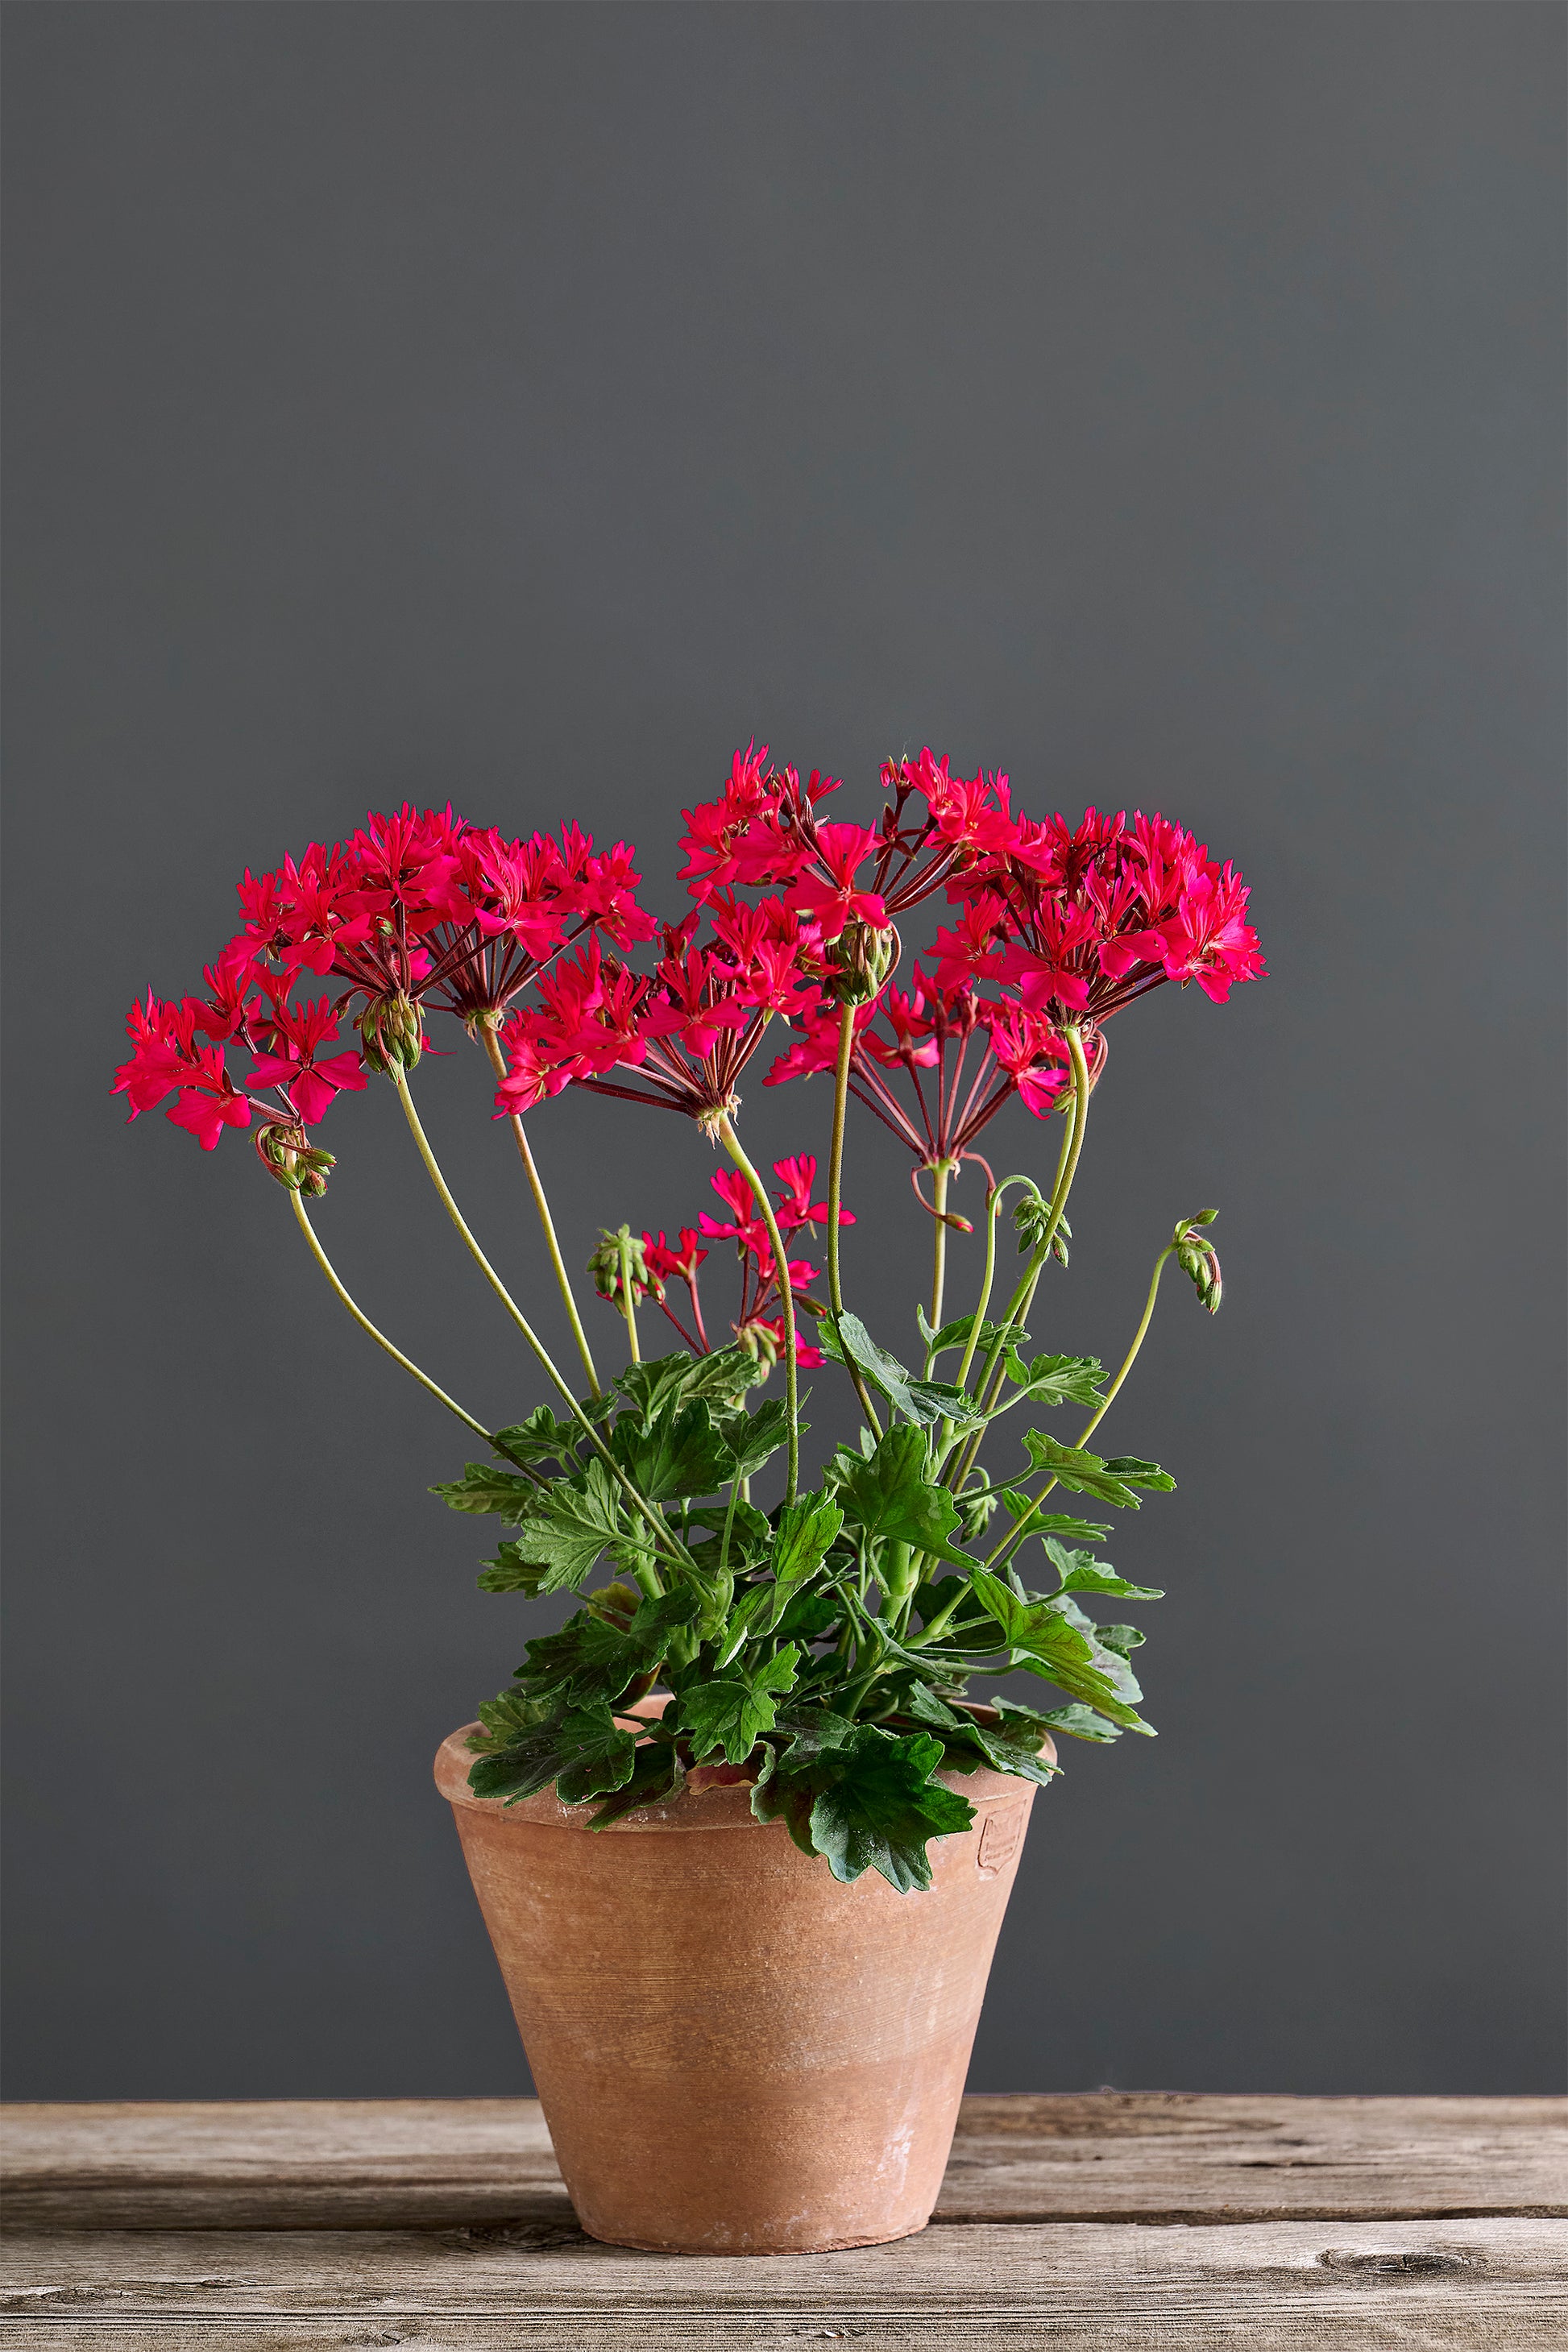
[{"x": 736, "y": 2054}]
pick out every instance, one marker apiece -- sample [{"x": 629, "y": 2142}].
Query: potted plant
[{"x": 742, "y": 1830}]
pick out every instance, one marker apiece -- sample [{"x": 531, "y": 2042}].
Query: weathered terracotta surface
[{"x": 736, "y": 2054}]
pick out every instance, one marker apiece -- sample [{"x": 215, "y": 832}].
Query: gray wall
[{"x": 527, "y": 403}]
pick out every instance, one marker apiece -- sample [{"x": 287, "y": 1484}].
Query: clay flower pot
[{"x": 735, "y": 2052}]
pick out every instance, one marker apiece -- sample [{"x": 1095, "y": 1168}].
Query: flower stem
[
  {"x": 993, "y": 1200},
  {"x": 655, "y": 1518},
  {"x": 409, "y": 1366},
  {"x": 1018, "y": 1306},
  {"x": 732, "y": 1145},
  {"x": 1022, "y": 1528},
  {"x": 498, "y": 1063},
  {"x": 940, "y": 1174},
  {"x": 835, "y": 1193}
]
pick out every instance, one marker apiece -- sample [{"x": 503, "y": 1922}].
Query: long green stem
[
  {"x": 939, "y": 1175},
  {"x": 835, "y": 1195},
  {"x": 993, "y": 1200},
  {"x": 732, "y": 1145},
  {"x": 1022, "y": 1300},
  {"x": 409, "y": 1366},
  {"x": 498, "y": 1063},
  {"x": 1021, "y": 1527},
  {"x": 655, "y": 1518}
]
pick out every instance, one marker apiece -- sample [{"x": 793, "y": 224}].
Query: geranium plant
[{"x": 821, "y": 1647}]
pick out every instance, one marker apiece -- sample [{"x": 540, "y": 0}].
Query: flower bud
[
  {"x": 281, "y": 1148},
  {"x": 1196, "y": 1257},
  {"x": 760, "y": 1343},
  {"x": 1031, "y": 1217},
  {"x": 858, "y": 961},
  {"x": 623, "y": 1252},
  {"x": 391, "y": 1033}
]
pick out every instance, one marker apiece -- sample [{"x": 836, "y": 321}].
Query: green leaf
[
  {"x": 924, "y": 1403},
  {"x": 484, "y": 1487},
  {"x": 1125, "y": 1638},
  {"x": 588, "y": 1661},
  {"x": 1087, "y": 1473},
  {"x": 1081, "y": 1723},
  {"x": 922, "y": 1703},
  {"x": 1051, "y": 1523},
  {"x": 750, "y": 1536},
  {"x": 1053, "y": 1638},
  {"x": 506, "y": 1718},
  {"x": 539, "y": 1439},
  {"x": 678, "y": 1454},
  {"x": 1139, "y": 1472},
  {"x": 891, "y": 1497},
  {"x": 753, "y": 1438},
  {"x": 1011, "y": 1744},
  {"x": 866, "y": 1804},
  {"x": 655, "y": 1775},
  {"x": 592, "y": 1662},
  {"x": 808, "y": 1616},
  {"x": 956, "y": 1335},
  {"x": 733, "y": 1712},
  {"x": 756, "y": 1602},
  {"x": 562, "y": 1532},
  {"x": 725, "y": 1375},
  {"x": 652, "y": 1388},
  {"x": 510, "y": 1572},
  {"x": 655, "y": 1387},
  {"x": 1058, "y": 1379},
  {"x": 806, "y": 1731},
  {"x": 806, "y": 1534},
  {"x": 580, "y": 1748},
  {"x": 1079, "y": 1573}
]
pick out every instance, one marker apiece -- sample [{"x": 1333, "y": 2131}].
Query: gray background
[{"x": 526, "y": 404}]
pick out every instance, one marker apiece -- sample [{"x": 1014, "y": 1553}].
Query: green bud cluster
[
  {"x": 1196, "y": 1257},
  {"x": 1031, "y": 1217},
  {"x": 622, "y": 1253},
  {"x": 858, "y": 961},
  {"x": 284, "y": 1153},
  {"x": 391, "y": 1033}
]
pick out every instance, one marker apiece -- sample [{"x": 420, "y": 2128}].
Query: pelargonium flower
[
  {"x": 960, "y": 1058},
  {"x": 419, "y": 907},
  {"x": 758, "y": 1325},
  {"x": 164, "y": 1057},
  {"x": 688, "y": 1029},
  {"x": 763, "y": 834},
  {"x": 1079, "y": 921},
  {"x": 309, "y": 1079}
]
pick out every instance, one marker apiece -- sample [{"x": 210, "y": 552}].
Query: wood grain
[
  {"x": 1495, "y": 2285},
  {"x": 444, "y": 2163}
]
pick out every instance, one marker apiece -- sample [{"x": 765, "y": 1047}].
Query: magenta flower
[
  {"x": 308, "y": 1079},
  {"x": 688, "y": 1029},
  {"x": 164, "y": 1057},
  {"x": 758, "y": 1325}
]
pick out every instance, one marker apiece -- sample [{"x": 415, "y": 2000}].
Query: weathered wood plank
[
  {"x": 410, "y": 2163},
  {"x": 1485, "y": 2286}
]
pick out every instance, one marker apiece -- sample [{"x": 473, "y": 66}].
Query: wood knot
[{"x": 1417, "y": 2263}]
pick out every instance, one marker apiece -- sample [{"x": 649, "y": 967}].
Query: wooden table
[{"x": 1163, "y": 2221}]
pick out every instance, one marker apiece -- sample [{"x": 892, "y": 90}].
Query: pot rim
[{"x": 724, "y": 1807}]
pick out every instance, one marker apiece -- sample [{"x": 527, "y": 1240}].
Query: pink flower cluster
[
  {"x": 759, "y": 1324},
  {"x": 416, "y": 910},
  {"x": 1045, "y": 924}
]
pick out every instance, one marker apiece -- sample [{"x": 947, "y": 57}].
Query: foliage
[{"x": 823, "y": 1642}]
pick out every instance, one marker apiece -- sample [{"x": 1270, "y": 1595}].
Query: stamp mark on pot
[{"x": 999, "y": 1841}]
